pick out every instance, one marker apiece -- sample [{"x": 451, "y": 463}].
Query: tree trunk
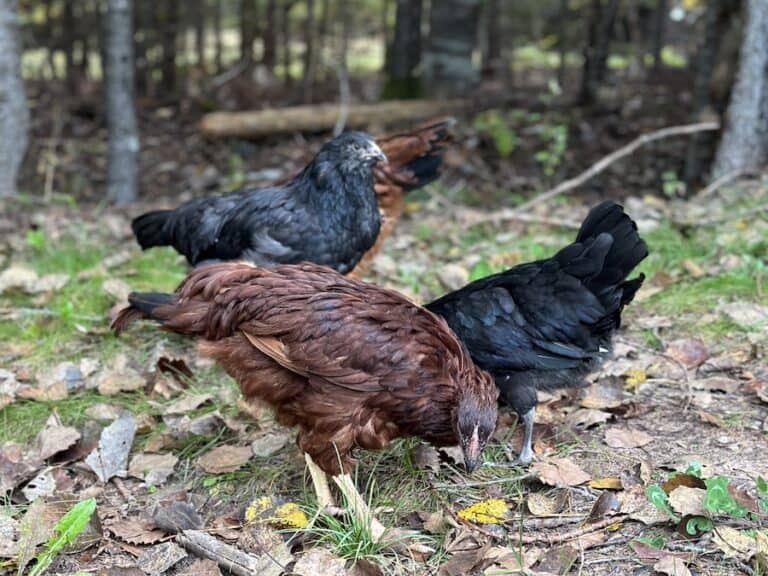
[
  {"x": 600, "y": 30},
  {"x": 405, "y": 51},
  {"x": 69, "y": 33},
  {"x": 143, "y": 19},
  {"x": 659, "y": 30},
  {"x": 492, "y": 60},
  {"x": 168, "y": 20},
  {"x": 199, "y": 27},
  {"x": 286, "y": 29},
  {"x": 248, "y": 25},
  {"x": 448, "y": 67},
  {"x": 744, "y": 144},
  {"x": 122, "y": 168},
  {"x": 218, "y": 33},
  {"x": 269, "y": 37},
  {"x": 562, "y": 46},
  {"x": 14, "y": 114},
  {"x": 310, "y": 56}
]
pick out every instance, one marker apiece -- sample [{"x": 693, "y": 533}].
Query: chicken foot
[
  {"x": 359, "y": 505},
  {"x": 526, "y": 450}
]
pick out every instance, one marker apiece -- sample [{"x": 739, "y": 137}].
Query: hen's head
[
  {"x": 476, "y": 415},
  {"x": 352, "y": 151}
]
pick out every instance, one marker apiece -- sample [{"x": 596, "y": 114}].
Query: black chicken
[
  {"x": 546, "y": 324},
  {"x": 327, "y": 214}
]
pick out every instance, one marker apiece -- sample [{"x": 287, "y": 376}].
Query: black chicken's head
[
  {"x": 352, "y": 151},
  {"x": 475, "y": 418}
]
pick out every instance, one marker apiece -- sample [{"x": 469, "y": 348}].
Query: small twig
[
  {"x": 559, "y": 538},
  {"x": 228, "y": 75},
  {"x": 122, "y": 489},
  {"x": 484, "y": 482},
  {"x": 725, "y": 179},
  {"x": 746, "y": 568},
  {"x": 722, "y": 218},
  {"x": 601, "y": 165},
  {"x": 344, "y": 99}
]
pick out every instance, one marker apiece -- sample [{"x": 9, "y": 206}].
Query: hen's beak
[
  {"x": 375, "y": 153},
  {"x": 472, "y": 452}
]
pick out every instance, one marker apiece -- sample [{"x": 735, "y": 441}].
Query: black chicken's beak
[
  {"x": 472, "y": 452},
  {"x": 375, "y": 154}
]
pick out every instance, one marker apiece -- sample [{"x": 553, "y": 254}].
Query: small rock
[
  {"x": 319, "y": 561},
  {"x": 453, "y": 276},
  {"x": 268, "y": 444},
  {"x": 103, "y": 412}
]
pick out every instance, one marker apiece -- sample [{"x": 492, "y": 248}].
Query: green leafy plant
[
  {"x": 698, "y": 524},
  {"x": 658, "y": 498},
  {"x": 64, "y": 533},
  {"x": 556, "y": 138},
  {"x": 719, "y": 499},
  {"x": 671, "y": 185},
  {"x": 657, "y": 542},
  {"x": 494, "y": 124},
  {"x": 36, "y": 239}
]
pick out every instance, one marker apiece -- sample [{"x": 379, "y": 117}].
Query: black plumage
[
  {"x": 327, "y": 214},
  {"x": 546, "y": 324}
]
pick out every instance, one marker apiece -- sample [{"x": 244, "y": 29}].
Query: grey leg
[{"x": 526, "y": 452}]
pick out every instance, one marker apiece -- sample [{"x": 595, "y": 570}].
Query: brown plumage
[
  {"x": 351, "y": 365},
  {"x": 415, "y": 158}
]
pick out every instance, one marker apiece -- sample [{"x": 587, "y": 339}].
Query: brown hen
[{"x": 350, "y": 364}]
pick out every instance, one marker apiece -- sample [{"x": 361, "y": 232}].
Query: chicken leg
[
  {"x": 359, "y": 506},
  {"x": 320, "y": 482},
  {"x": 526, "y": 450}
]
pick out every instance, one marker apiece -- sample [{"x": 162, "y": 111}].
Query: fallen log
[
  {"x": 321, "y": 117},
  {"x": 232, "y": 560}
]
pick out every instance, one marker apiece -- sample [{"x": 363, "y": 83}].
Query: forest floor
[
  {"x": 686, "y": 394},
  {"x": 685, "y": 400}
]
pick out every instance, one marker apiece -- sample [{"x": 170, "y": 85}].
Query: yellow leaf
[
  {"x": 605, "y": 484},
  {"x": 267, "y": 510},
  {"x": 634, "y": 377},
  {"x": 490, "y": 511}
]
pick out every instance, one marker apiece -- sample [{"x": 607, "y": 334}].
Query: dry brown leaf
[
  {"x": 17, "y": 464},
  {"x": 587, "y": 417},
  {"x": 160, "y": 558},
  {"x": 709, "y": 418},
  {"x": 744, "y": 313},
  {"x": 223, "y": 459},
  {"x": 558, "y": 560},
  {"x": 620, "y": 437},
  {"x": 734, "y": 543},
  {"x": 187, "y": 404},
  {"x": 716, "y": 384},
  {"x": 318, "y": 561},
  {"x": 104, "y": 412},
  {"x": 201, "y": 568},
  {"x": 692, "y": 268},
  {"x": 113, "y": 381},
  {"x": 110, "y": 457},
  {"x": 689, "y": 352},
  {"x": 154, "y": 469},
  {"x": 688, "y": 480},
  {"x": 606, "y": 504},
  {"x": 134, "y": 531},
  {"x": 55, "y": 438},
  {"x": 671, "y": 566},
  {"x": 540, "y": 504},
  {"x": 507, "y": 560},
  {"x": 688, "y": 501},
  {"x": 604, "y": 394},
  {"x": 267, "y": 444},
  {"x": 40, "y": 486},
  {"x": 561, "y": 472},
  {"x": 635, "y": 503}
]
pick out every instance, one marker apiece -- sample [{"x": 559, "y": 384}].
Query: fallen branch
[
  {"x": 600, "y": 166},
  {"x": 322, "y": 117},
  {"x": 724, "y": 180},
  {"x": 563, "y": 537},
  {"x": 228, "y": 557},
  {"x": 742, "y": 215}
]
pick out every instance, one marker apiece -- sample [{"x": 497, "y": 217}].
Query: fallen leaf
[
  {"x": 463, "y": 562},
  {"x": 692, "y": 268},
  {"x": 558, "y": 560},
  {"x": 434, "y": 522},
  {"x": 453, "y": 276},
  {"x": 42, "y": 485},
  {"x": 672, "y": 566},
  {"x": 35, "y": 528},
  {"x": 20, "y": 278},
  {"x": 17, "y": 464},
  {"x": 176, "y": 517},
  {"x": 509, "y": 561},
  {"x": 716, "y": 384},
  {"x": 425, "y": 457},
  {"x": 114, "y": 381},
  {"x": 318, "y": 561},
  {"x": 606, "y": 484},
  {"x": 223, "y": 459},
  {"x": 745, "y": 313},
  {"x": 688, "y": 480},
  {"x": 187, "y": 404},
  {"x": 103, "y": 412},
  {"x": 709, "y": 418},
  {"x": 206, "y": 424},
  {"x": 134, "y": 531},
  {"x": 540, "y": 504},
  {"x": 635, "y": 503},
  {"x": 276, "y": 512},
  {"x": 55, "y": 438},
  {"x": 201, "y": 568},
  {"x": 9, "y": 535},
  {"x": 619, "y": 437},
  {"x": 110, "y": 457},
  {"x": 560, "y": 472},
  {"x": 273, "y": 553},
  {"x": 269, "y": 443},
  {"x": 604, "y": 394},
  {"x": 154, "y": 469},
  {"x": 689, "y": 352},
  {"x": 490, "y": 511},
  {"x": 688, "y": 501},
  {"x": 734, "y": 543},
  {"x": 607, "y": 503},
  {"x": 159, "y": 558},
  {"x": 587, "y": 417}
]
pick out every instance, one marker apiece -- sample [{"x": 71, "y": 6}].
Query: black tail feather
[
  {"x": 141, "y": 305},
  {"x": 425, "y": 169},
  {"x": 150, "y": 229}
]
